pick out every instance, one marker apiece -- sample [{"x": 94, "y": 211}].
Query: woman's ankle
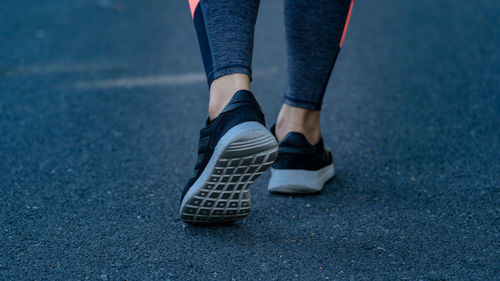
[
  {"x": 223, "y": 89},
  {"x": 295, "y": 119}
]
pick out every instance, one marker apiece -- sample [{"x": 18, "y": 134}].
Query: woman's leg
[
  {"x": 314, "y": 34},
  {"x": 225, "y": 30},
  {"x": 234, "y": 147}
]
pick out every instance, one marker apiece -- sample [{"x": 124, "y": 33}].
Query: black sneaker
[
  {"x": 234, "y": 149},
  {"x": 300, "y": 166}
]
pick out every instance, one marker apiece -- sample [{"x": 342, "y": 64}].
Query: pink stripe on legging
[
  {"x": 192, "y": 6},
  {"x": 346, "y": 24}
]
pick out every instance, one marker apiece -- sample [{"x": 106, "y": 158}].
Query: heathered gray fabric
[
  {"x": 230, "y": 27},
  {"x": 313, "y": 33}
]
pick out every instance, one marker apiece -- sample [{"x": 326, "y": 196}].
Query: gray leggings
[{"x": 314, "y": 35}]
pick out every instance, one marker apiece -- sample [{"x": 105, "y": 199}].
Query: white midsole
[{"x": 299, "y": 181}]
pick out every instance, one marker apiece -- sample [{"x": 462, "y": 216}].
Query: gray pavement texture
[{"x": 100, "y": 107}]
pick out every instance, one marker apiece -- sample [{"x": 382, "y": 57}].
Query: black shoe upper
[
  {"x": 243, "y": 107},
  {"x": 295, "y": 152}
]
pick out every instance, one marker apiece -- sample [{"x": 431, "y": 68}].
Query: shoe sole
[
  {"x": 294, "y": 181},
  {"x": 222, "y": 192}
]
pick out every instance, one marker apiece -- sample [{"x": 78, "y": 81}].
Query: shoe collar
[
  {"x": 241, "y": 97},
  {"x": 297, "y": 139}
]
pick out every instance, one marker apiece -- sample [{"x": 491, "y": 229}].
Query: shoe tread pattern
[{"x": 226, "y": 197}]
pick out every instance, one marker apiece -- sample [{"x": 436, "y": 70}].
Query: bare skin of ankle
[
  {"x": 295, "y": 119},
  {"x": 223, "y": 89}
]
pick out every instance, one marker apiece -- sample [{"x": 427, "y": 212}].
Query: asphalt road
[{"x": 100, "y": 107}]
